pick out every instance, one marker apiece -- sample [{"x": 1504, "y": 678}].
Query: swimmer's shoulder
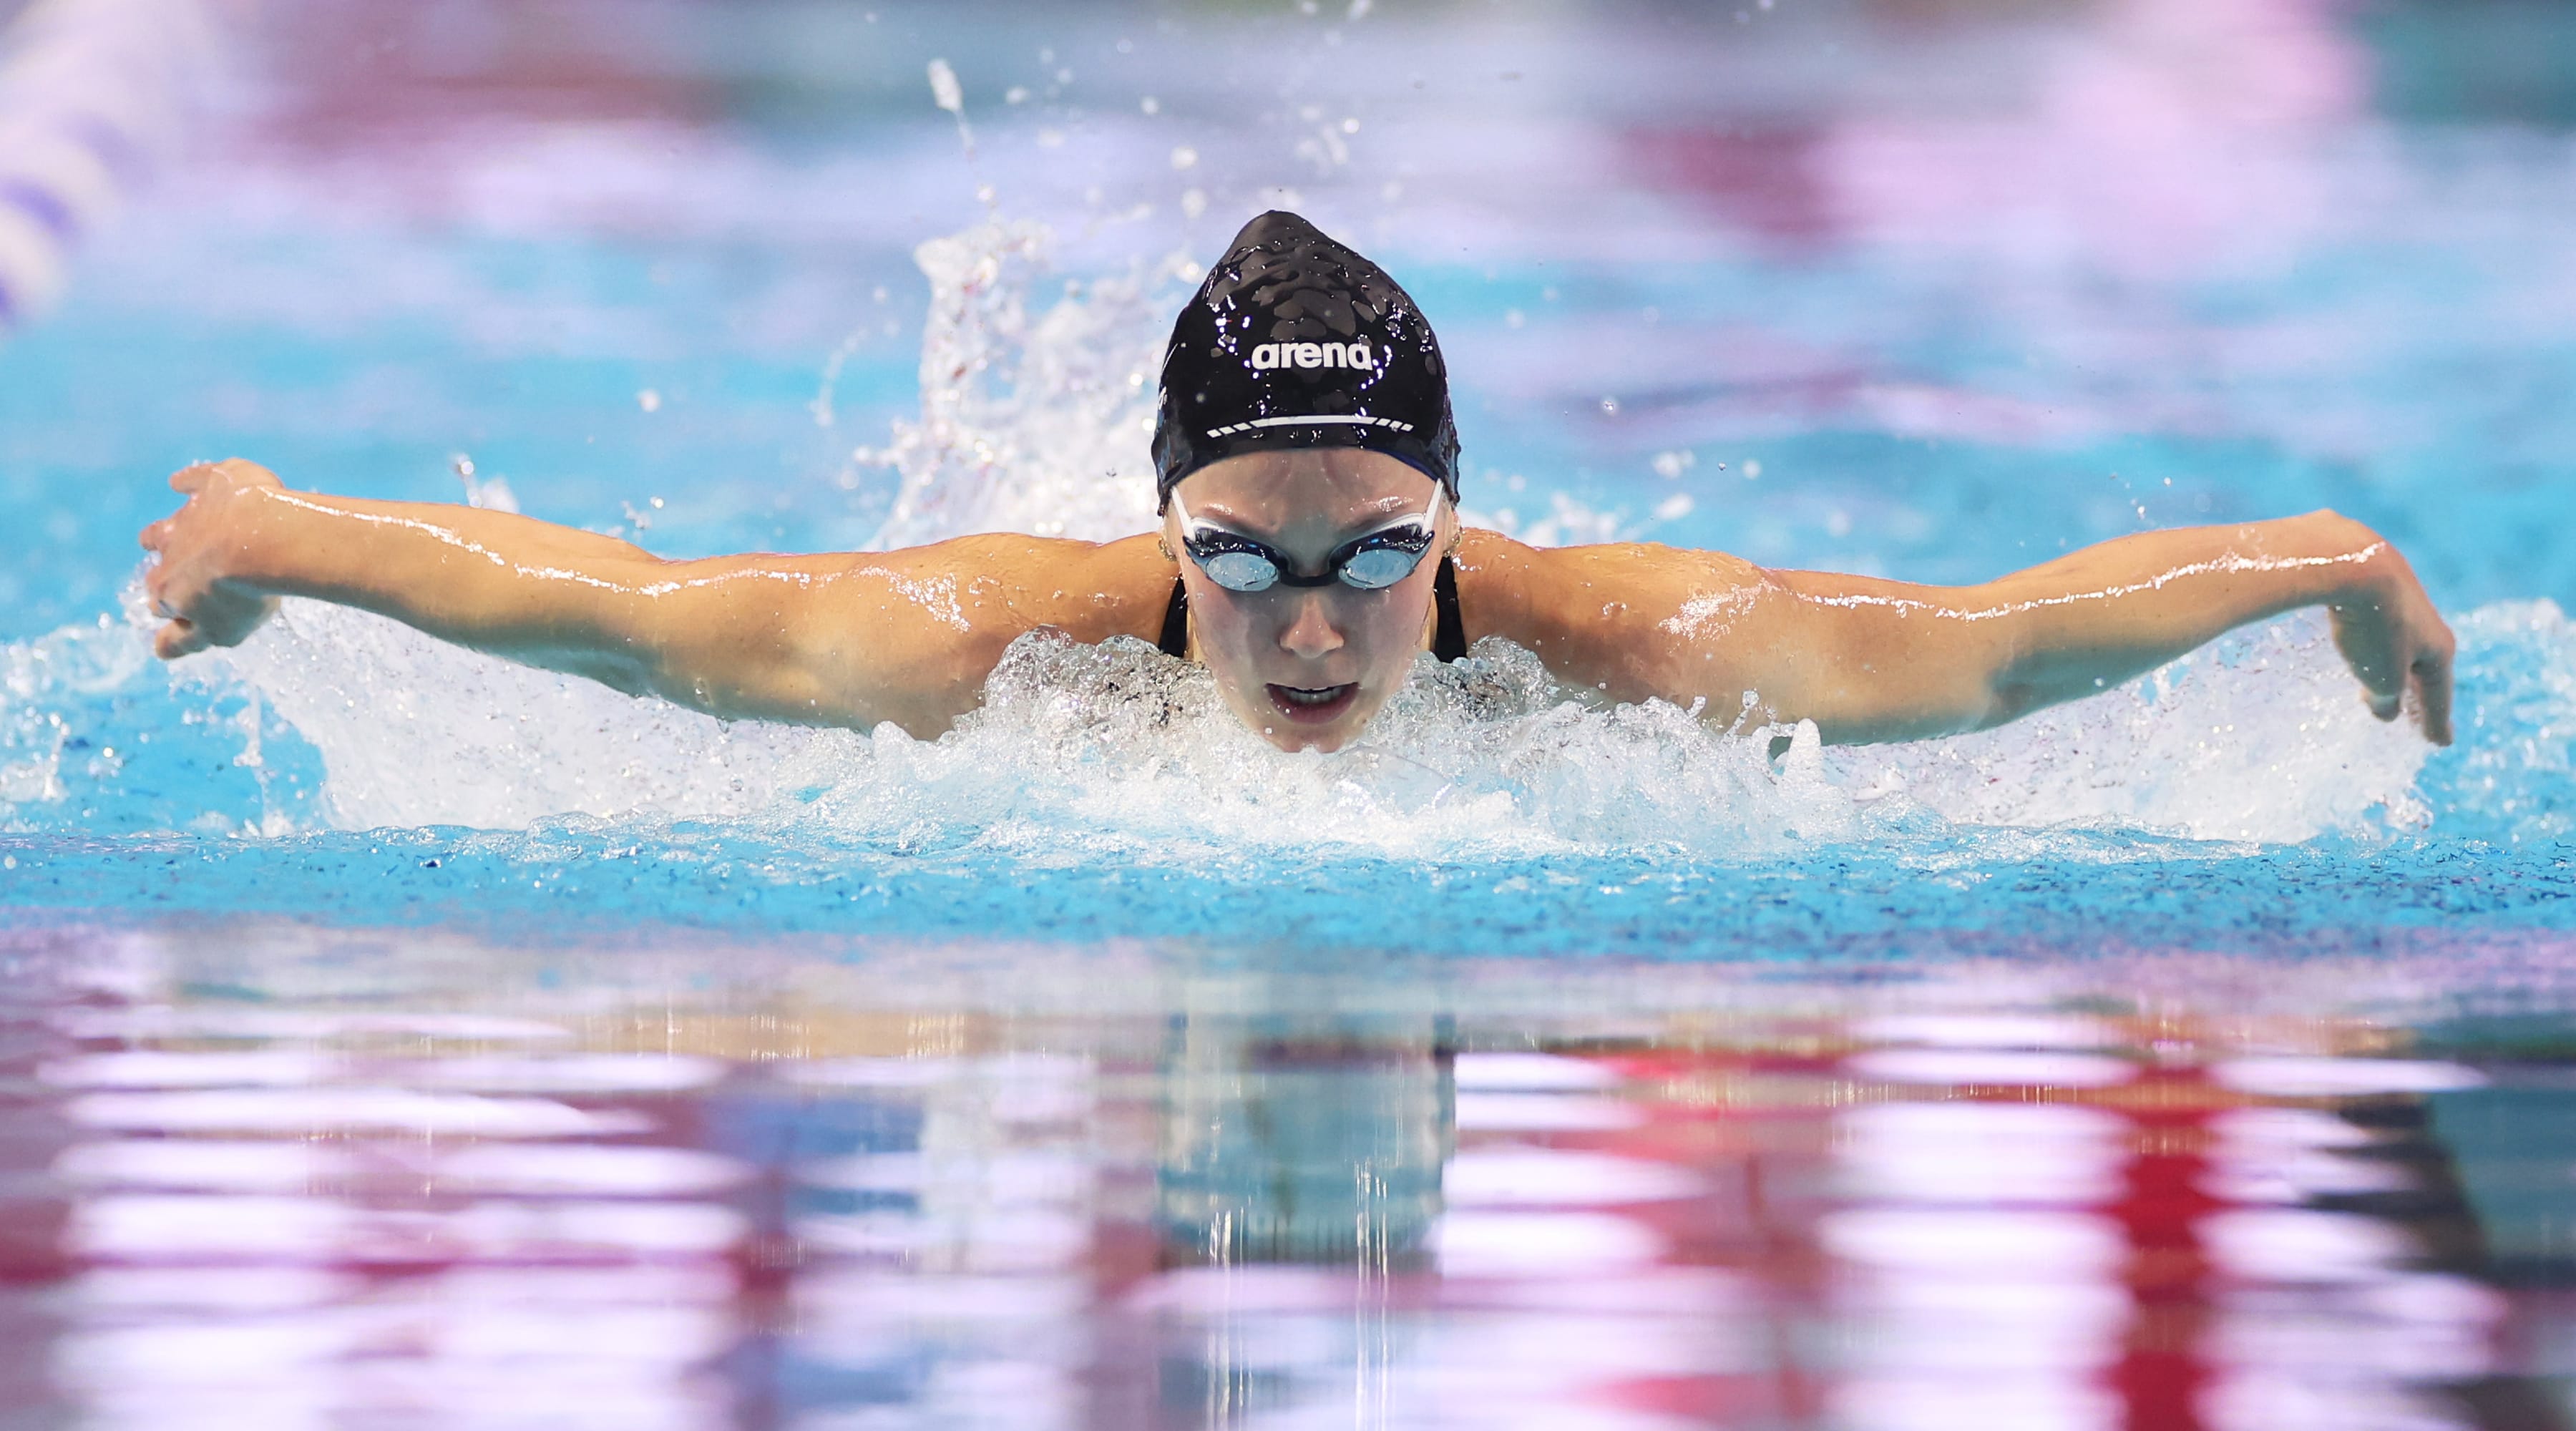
[
  {"x": 1506, "y": 587},
  {"x": 1089, "y": 590}
]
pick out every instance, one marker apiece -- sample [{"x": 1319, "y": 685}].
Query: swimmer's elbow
[
  {"x": 2006, "y": 701},
  {"x": 620, "y": 671}
]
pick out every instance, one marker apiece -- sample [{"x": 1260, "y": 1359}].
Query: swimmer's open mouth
[{"x": 1313, "y": 705}]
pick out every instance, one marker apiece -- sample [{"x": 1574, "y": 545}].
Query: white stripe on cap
[{"x": 1313, "y": 420}]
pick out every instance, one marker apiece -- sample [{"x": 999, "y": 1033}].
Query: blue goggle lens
[
  {"x": 1237, "y": 571},
  {"x": 1370, "y": 563},
  {"x": 1373, "y": 568},
  {"x": 1373, "y": 563}
]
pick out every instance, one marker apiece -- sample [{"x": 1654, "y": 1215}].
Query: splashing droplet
[{"x": 944, "y": 90}]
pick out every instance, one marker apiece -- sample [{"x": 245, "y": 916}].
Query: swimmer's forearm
[
  {"x": 491, "y": 580},
  {"x": 720, "y": 635},
  {"x": 1873, "y": 660},
  {"x": 828, "y": 639},
  {"x": 2114, "y": 611}
]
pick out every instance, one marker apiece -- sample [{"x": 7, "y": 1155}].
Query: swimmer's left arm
[{"x": 1875, "y": 660}]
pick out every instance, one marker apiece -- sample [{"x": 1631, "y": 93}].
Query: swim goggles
[{"x": 1372, "y": 561}]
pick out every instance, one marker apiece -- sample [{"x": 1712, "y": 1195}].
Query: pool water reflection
[{"x": 1124, "y": 1189}]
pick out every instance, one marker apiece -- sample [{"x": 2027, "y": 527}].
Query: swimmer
[{"x": 1310, "y": 551}]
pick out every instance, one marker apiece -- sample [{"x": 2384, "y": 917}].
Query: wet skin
[
  {"x": 1309, "y": 667},
  {"x": 910, "y": 636}
]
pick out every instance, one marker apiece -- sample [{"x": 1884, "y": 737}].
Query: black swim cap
[{"x": 1296, "y": 341}]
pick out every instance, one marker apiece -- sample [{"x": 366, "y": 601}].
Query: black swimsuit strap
[
  {"x": 1176, "y": 622},
  {"x": 1448, "y": 637}
]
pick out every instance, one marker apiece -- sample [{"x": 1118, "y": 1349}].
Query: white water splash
[
  {"x": 1029, "y": 423},
  {"x": 40, "y": 683},
  {"x": 1038, "y": 421},
  {"x": 2260, "y": 736},
  {"x": 1074, "y": 743}
]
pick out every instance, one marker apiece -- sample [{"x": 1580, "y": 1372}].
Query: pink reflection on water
[
  {"x": 2146, "y": 137},
  {"x": 1922, "y": 1220}
]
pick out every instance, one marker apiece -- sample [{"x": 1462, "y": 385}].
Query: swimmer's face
[{"x": 1308, "y": 666}]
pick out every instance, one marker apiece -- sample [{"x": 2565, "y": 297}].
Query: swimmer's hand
[
  {"x": 193, "y": 586},
  {"x": 2397, "y": 643}
]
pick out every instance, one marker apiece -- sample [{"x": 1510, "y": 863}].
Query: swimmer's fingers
[
  {"x": 2393, "y": 651},
  {"x": 2433, "y": 690},
  {"x": 178, "y": 638},
  {"x": 214, "y": 619},
  {"x": 172, "y": 588},
  {"x": 2369, "y": 642},
  {"x": 197, "y": 476}
]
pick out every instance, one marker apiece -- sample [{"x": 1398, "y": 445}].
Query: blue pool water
[{"x": 1075, "y": 1069}]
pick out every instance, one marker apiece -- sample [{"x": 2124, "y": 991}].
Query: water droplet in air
[
  {"x": 1183, "y": 156},
  {"x": 1752, "y": 469},
  {"x": 944, "y": 90},
  {"x": 649, "y": 400},
  {"x": 1150, "y": 105},
  {"x": 1193, "y": 204},
  {"x": 1610, "y": 407}
]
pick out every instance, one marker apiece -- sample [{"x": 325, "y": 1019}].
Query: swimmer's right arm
[{"x": 832, "y": 639}]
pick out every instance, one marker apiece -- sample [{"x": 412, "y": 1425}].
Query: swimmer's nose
[{"x": 1310, "y": 634}]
